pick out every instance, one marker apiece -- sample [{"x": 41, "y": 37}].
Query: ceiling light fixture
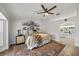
[{"x": 46, "y": 13}]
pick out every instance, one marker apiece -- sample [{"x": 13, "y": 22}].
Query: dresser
[{"x": 20, "y": 39}]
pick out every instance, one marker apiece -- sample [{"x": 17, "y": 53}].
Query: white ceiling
[{"x": 24, "y": 10}]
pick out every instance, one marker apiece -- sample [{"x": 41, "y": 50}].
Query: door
[{"x": 1, "y": 33}]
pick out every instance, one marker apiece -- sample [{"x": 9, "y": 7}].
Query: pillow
[
  {"x": 42, "y": 39},
  {"x": 38, "y": 39}
]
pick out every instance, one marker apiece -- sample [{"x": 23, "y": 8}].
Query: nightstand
[{"x": 20, "y": 39}]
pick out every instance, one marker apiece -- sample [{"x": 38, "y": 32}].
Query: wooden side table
[{"x": 20, "y": 39}]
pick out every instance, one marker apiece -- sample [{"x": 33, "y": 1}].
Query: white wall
[
  {"x": 77, "y": 34},
  {"x": 53, "y": 28},
  {"x": 17, "y": 24}
]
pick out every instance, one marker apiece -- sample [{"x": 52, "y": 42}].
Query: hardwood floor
[
  {"x": 14, "y": 48},
  {"x": 76, "y": 51}
]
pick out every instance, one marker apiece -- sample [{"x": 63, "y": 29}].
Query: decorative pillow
[
  {"x": 38, "y": 39},
  {"x": 42, "y": 39}
]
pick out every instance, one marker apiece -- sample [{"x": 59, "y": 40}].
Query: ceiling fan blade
[
  {"x": 52, "y": 8},
  {"x": 43, "y": 8},
  {"x": 40, "y": 12},
  {"x": 50, "y": 13}
]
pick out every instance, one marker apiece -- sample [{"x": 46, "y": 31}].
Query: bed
[{"x": 37, "y": 40}]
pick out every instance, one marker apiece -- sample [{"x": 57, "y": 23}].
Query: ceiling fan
[{"x": 46, "y": 11}]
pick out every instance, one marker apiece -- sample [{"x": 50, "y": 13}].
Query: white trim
[
  {"x": 5, "y": 33},
  {"x": 5, "y": 48},
  {"x": 2, "y": 16}
]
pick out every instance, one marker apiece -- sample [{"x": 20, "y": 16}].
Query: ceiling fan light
[{"x": 46, "y": 13}]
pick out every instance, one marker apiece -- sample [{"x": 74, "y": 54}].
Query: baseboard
[
  {"x": 3, "y": 49},
  {"x": 12, "y": 43}
]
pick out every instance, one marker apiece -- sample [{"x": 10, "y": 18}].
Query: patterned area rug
[{"x": 53, "y": 48}]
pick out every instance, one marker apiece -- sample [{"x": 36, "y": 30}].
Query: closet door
[{"x": 1, "y": 33}]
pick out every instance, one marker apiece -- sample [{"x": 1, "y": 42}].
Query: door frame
[{"x": 5, "y": 35}]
